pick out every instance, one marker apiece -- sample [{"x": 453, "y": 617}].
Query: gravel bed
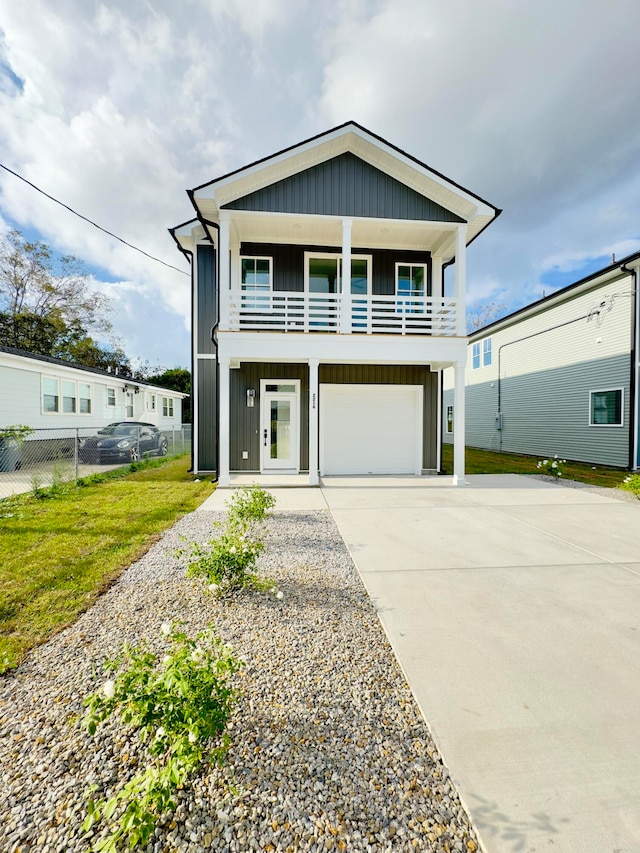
[
  {"x": 607, "y": 492},
  {"x": 328, "y": 749}
]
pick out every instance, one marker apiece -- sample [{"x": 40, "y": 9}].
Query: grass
[
  {"x": 489, "y": 462},
  {"x": 61, "y": 549}
]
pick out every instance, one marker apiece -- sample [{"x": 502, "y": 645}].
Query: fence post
[{"x": 75, "y": 451}]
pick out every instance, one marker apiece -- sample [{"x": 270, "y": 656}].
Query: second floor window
[
  {"x": 411, "y": 287},
  {"x": 255, "y": 281}
]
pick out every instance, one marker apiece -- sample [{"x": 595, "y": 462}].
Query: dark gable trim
[
  {"x": 318, "y": 136},
  {"x": 344, "y": 186}
]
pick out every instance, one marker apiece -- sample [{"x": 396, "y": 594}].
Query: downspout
[
  {"x": 190, "y": 255},
  {"x": 214, "y": 341},
  {"x": 634, "y": 379}
]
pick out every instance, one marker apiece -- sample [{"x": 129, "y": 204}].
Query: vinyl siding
[
  {"x": 288, "y": 264},
  {"x": 344, "y": 186},
  {"x": 207, "y": 303},
  {"x": 207, "y": 415},
  {"x": 245, "y": 421},
  {"x": 548, "y": 365}
]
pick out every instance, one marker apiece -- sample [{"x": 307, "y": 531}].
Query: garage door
[{"x": 370, "y": 429}]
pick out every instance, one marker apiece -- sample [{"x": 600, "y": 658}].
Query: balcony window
[
  {"x": 256, "y": 282},
  {"x": 410, "y": 283}
]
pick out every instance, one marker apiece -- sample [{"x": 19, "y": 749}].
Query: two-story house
[{"x": 320, "y": 322}]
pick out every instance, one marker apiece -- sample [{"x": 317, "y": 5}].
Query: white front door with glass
[{"x": 279, "y": 425}]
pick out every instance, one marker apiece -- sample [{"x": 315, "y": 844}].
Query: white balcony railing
[{"x": 284, "y": 311}]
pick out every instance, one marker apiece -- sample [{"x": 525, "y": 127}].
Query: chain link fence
[{"x": 49, "y": 456}]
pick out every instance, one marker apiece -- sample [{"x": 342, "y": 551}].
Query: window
[
  {"x": 68, "y": 397},
  {"x": 606, "y": 407},
  {"x": 475, "y": 356},
  {"x": 84, "y": 397},
  {"x": 50, "y": 395},
  {"x": 151, "y": 402},
  {"x": 111, "y": 397},
  {"x": 167, "y": 407},
  {"x": 128, "y": 404},
  {"x": 255, "y": 278},
  {"x": 411, "y": 282},
  {"x": 486, "y": 352},
  {"x": 449, "y": 419}
]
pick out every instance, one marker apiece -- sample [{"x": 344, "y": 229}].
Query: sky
[{"x": 117, "y": 108}]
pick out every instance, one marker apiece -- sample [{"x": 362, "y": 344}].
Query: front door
[{"x": 279, "y": 427}]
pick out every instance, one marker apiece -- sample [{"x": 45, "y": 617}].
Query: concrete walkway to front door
[{"x": 513, "y": 606}]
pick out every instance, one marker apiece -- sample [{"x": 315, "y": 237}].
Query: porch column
[
  {"x": 461, "y": 279},
  {"x": 223, "y": 269},
  {"x": 436, "y": 276},
  {"x": 234, "y": 275},
  {"x": 345, "y": 326},
  {"x": 314, "y": 395},
  {"x": 458, "y": 423},
  {"x": 224, "y": 418}
]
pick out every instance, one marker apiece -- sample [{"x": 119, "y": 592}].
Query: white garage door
[{"x": 370, "y": 429}]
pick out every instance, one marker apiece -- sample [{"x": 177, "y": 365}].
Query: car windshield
[{"x": 119, "y": 429}]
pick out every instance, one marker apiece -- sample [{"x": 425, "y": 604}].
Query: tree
[
  {"x": 478, "y": 318},
  {"x": 47, "y": 306},
  {"x": 177, "y": 379}
]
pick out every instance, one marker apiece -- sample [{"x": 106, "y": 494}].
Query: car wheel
[
  {"x": 164, "y": 447},
  {"x": 135, "y": 454}
]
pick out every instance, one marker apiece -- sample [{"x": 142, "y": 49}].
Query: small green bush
[
  {"x": 250, "y": 504},
  {"x": 632, "y": 484},
  {"x": 552, "y": 467}
]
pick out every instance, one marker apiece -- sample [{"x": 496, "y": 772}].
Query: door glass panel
[
  {"x": 359, "y": 275},
  {"x": 280, "y": 429},
  {"x": 286, "y": 389}
]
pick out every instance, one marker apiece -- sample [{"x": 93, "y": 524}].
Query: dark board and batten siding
[
  {"x": 245, "y": 421},
  {"x": 344, "y": 186},
  {"x": 288, "y": 264},
  {"x": 395, "y": 374},
  {"x": 207, "y": 305},
  {"x": 207, "y": 414}
]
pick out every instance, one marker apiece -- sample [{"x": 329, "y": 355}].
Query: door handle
[{"x": 265, "y": 437}]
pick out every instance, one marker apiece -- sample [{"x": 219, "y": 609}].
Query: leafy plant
[
  {"x": 251, "y": 504},
  {"x": 17, "y": 431},
  {"x": 632, "y": 484},
  {"x": 552, "y": 467},
  {"x": 179, "y": 705}
]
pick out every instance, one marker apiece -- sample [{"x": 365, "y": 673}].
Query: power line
[{"x": 91, "y": 222}]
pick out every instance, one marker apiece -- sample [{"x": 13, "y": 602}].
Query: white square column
[
  {"x": 461, "y": 280},
  {"x": 224, "y": 421},
  {"x": 459, "y": 423},
  {"x": 314, "y": 396},
  {"x": 346, "y": 320}
]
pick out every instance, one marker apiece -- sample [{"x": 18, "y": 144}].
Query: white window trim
[
  {"x": 168, "y": 405},
  {"x": 473, "y": 348},
  {"x": 338, "y": 256},
  {"x": 115, "y": 398},
  {"x": 263, "y": 293},
  {"x": 606, "y": 391},
  {"x": 60, "y": 380},
  {"x": 411, "y": 264},
  {"x": 446, "y": 420},
  {"x": 486, "y": 350},
  {"x": 58, "y": 395}
]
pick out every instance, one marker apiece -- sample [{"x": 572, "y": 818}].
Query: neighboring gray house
[
  {"x": 320, "y": 325},
  {"x": 48, "y": 393},
  {"x": 559, "y": 376}
]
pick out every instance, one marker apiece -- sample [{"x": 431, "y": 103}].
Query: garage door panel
[{"x": 371, "y": 429}]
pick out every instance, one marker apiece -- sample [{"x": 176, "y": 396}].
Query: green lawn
[
  {"x": 489, "y": 462},
  {"x": 59, "y": 552}
]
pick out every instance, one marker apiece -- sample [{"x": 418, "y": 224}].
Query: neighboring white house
[
  {"x": 560, "y": 376},
  {"x": 48, "y": 393},
  {"x": 320, "y": 322}
]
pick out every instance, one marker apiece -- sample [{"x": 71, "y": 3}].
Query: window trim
[
  {"x": 115, "y": 398},
  {"x": 448, "y": 421},
  {"x": 355, "y": 256},
  {"x": 487, "y": 350},
  {"x": 59, "y": 410},
  {"x": 260, "y": 296},
  {"x": 57, "y": 395},
  {"x": 476, "y": 352},
  {"x": 168, "y": 409},
  {"x": 606, "y": 391}
]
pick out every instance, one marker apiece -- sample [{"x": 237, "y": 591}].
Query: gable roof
[{"x": 253, "y": 181}]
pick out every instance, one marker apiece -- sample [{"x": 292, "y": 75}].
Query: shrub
[
  {"x": 632, "y": 484},
  {"x": 178, "y": 705},
  {"x": 552, "y": 467},
  {"x": 250, "y": 504}
]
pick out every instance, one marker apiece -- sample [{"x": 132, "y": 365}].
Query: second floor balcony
[{"x": 296, "y": 311}]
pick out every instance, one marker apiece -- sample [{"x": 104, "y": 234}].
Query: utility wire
[{"x": 91, "y": 222}]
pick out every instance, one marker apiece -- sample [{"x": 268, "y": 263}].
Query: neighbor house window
[
  {"x": 475, "y": 356},
  {"x": 606, "y": 407},
  {"x": 111, "y": 396},
  {"x": 255, "y": 280},
  {"x": 411, "y": 282},
  {"x": 449, "y": 419},
  {"x": 167, "y": 407},
  {"x": 50, "y": 395},
  {"x": 151, "y": 402},
  {"x": 84, "y": 397},
  {"x": 486, "y": 352},
  {"x": 68, "y": 397}
]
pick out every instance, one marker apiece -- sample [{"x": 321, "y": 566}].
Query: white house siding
[
  {"x": 21, "y": 397},
  {"x": 546, "y": 380}
]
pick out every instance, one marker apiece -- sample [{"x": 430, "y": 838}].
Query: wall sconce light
[
  {"x": 251, "y": 398},
  {"x": 137, "y": 389},
  {"x": 125, "y": 388}
]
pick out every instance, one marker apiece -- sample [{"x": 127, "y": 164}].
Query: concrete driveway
[{"x": 513, "y": 606}]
